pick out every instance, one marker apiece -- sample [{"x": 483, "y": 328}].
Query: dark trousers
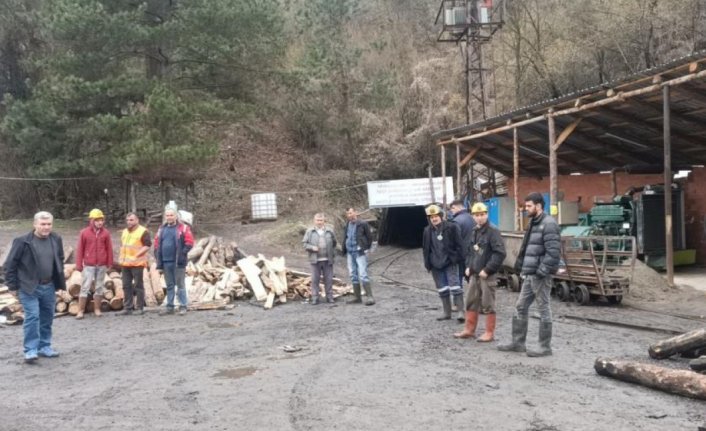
[
  {"x": 317, "y": 269},
  {"x": 133, "y": 284}
]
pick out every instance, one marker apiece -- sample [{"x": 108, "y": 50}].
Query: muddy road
[{"x": 390, "y": 366}]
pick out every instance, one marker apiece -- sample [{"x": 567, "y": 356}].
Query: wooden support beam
[
  {"x": 516, "y": 175},
  {"x": 494, "y": 131},
  {"x": 469, "y": 156},
  {"x": 443, "y": 176},
  {"x": 553, "y": 171},
  {"x": 583, "y": 167},
  {"x": 458, "y": 170},
  {"x": 568, "y": 130},
  {"x": 667, "y": 127}
]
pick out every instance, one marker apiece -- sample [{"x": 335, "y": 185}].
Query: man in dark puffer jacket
[{"x": 537, "y": 261}]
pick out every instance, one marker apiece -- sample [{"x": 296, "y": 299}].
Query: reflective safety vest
[{"x": 131, "y": 245}]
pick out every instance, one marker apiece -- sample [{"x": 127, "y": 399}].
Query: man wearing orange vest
[{"x": 135, "y": 243}]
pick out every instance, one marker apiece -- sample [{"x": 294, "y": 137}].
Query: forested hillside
[{"x": 253, "y": 92}]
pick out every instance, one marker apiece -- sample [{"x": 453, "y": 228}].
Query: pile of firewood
[
  {"x": 689, "y": 383},
  {"x": 217, "y": 274}
]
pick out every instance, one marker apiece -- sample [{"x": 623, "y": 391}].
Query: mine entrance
[{"x": 402, "y": 226}]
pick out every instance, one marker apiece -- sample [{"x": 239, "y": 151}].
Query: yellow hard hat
[
  {"x": 479, "y": 207},
  {"x": 95, "y": 213},
  {"x": 432, "y": 210}
]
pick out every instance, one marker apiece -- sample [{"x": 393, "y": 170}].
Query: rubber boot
[
  {"x": 81, "y": 307},
  {"x": 545, "y": 341},
  {"x": 97, "y": 300},
  {"x": 369, "y": 300},
  {"x": 460, "y": 307},
  {"x": 519, "y": 336},
  {"x": 446, "y": 303},
  {"x": 489, "y": 334},
  {"x": 469, "y": 331},
  {"x": 356, "y": 292}
]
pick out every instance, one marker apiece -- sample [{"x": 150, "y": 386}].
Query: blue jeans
[
  {"x": 175, "y": 276},
  {"x": 358, "y": 267},
  {"x": 535, "y": 288},
  {"x": 447, "y": 281},
  {"x": 39, "y": 315}
]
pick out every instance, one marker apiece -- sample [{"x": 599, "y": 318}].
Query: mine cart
[{"x": 595, "y": 266}]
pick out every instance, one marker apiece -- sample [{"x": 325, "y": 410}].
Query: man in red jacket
[{"x": 94, "y": 256}]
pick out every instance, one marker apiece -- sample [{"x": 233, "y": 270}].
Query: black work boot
[
  {"x": 356, "y": 292},
  {"x": 519, "y": 336},
  {"x": 545, "y": 341},
  {"x": 460, "y": 308},
  {"x": 369, "y": 300},
  {"x": 446, "y": 303}
]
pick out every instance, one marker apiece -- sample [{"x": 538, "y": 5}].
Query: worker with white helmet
[{"x": 443, "y": 251}]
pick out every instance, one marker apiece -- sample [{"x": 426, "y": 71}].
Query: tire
[{"x": 581, "y": 294}]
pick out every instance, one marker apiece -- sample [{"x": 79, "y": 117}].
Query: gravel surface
[{"x": 389, "y": 366}]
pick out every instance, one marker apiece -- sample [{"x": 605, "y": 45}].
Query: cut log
[
  {"x": 114, "y": 274},
  {"x": 270, "y": 300},
  {"x": 73, "y": 307},
  {"x": 118, "y": 288},
  {"x": 108, "y": 294},
  {"x": 698, "y": 364},
  {"x": 197, "y": 250},
  {"x": 62, "y": 295},
  {"x": 73, "y": 284},
  {"x": 105, "y": 306},
  {"x": 252, "y": 275},
  {"x": 150, "y": 299},
  {"x": 681, "y": 343},
  {"x": 207, "y": 250},
  {"x": 156, "y": 283},
  {"x": 69, "y": 269},
  {"x": 61, "y": 307},
  {"x": 68, "y": 254},
  {"x": 108, "y": 283},
  {"x": 680, "y": 382},
  {"x": 116, "y": 304}
]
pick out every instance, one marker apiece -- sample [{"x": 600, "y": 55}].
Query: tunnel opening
[{"x": 402, "y": 226}]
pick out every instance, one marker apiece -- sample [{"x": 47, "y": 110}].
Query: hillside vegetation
[{"x": 278, "y": 94}]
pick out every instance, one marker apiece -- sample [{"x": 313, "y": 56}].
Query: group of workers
[
  {"x": 34, "y": 270},
  {"x": 474, "y": 249},
  {"x": 467, "y": 247}
]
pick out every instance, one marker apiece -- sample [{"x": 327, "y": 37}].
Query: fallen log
[
  {"x": 680, "y": 382},
  {"x": 197, "y": 250},
  {"x": 207, "y": 250},
  {"x": 150, "y": 299},
  {"x": 68, "y": 254},
  {"x": 73, "y": 284},
  {"x": 69, "y": 269},
  {"x": 108, "y": 283},
  {"x": 698, "y": 364},
  {"x": 105, "y": 306},
  {"x": 252, "y": 275},
  {"x": 61, "y": 307},
  {"x": 108, "y": 294},
  {"x": 116, "y": 304},
  {"x": 156, "y": 283},
  {"x": 73, "y": 307},
  {"x": 681, "y": 343}
]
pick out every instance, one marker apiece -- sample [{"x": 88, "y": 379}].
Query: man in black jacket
[
  {"x": 537, "y": 261},
  {"x": 34, "y": 271},
  {"x": 486, "y": 255},
  {"x": 443, "y": 253},
  {"x": 357, "y": 240},
  {"x": 465, "y": 221}
]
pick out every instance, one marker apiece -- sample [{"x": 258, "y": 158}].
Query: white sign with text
[{"x": 408, "y": 193}]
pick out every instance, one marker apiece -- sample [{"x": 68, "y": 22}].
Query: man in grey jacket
[
  {"x": 537, "y": 261},
  {"x": 320, "y": 242}
]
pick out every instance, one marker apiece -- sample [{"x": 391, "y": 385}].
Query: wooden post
[
  {"x": 431, "y": 184},
  {"x": 458, "y": 171},
  {"x": 668, "y": 186},
  {"x": 613, "y": 182},
  {"x": 515, "y": 176},
  {"x": 553, "y": 168},
  {"x": 443, "y": 177}
]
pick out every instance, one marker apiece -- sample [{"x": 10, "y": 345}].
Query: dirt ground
[{"x": 390, "y": 366}]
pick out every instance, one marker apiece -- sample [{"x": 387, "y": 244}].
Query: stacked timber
[{"x": 217, "y": 274}]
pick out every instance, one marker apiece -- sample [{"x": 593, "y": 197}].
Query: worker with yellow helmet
[
  {"x": 443, "y": 251},
  {"x": 94, "y": 256},
  {"x": 485, "y": 258}
]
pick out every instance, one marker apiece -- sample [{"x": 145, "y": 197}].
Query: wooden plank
[
  {"x": 564, "y": 135},
  {"x": 469, "y": 156},
  {"x": 252, "y": 274},
  {"x": 270, "y": 300}
]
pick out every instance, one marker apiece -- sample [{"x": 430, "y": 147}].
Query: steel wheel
[
  {"x": 563, "y": 291},
  {"x": 581, "y": 294}
]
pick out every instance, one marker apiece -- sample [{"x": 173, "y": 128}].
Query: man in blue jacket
[
  {"x": 537, "y": 261},
  {"x": 357, "y": 240},
  {"x": 171, "y": 247},
  {"x": 34, "y": 271}
]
